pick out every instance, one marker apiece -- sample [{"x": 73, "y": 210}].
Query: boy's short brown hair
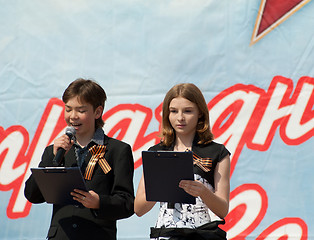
[{"x": 87, "y": 91}]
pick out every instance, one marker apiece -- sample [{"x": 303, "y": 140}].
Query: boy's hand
[
  {"x": 62, "y": 142},
  {"x": 88, "y": 199}
]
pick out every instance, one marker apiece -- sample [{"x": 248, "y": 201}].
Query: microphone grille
[{"x": 70, "y": 131}]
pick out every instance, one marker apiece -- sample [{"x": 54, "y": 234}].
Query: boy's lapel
[
  {"x": 97, "y": 153},
  {"x": 70, "y": 158}
]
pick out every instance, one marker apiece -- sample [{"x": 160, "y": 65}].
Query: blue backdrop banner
[{"x": 253, "y": 60}]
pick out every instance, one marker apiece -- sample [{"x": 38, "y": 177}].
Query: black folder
[
  {"x": 163, "y": 170},
  {"x": 56, "y": 183}
]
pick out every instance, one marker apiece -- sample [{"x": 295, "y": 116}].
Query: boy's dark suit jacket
[{"x": 115, "y": 190}]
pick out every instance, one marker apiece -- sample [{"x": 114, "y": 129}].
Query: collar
[{"x": 98, "y": 138}]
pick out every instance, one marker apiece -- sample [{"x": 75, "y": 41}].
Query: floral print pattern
[{"x": 184, "y": 215}]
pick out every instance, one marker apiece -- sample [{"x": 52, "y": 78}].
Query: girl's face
[
  {"x": 81, "y": 116},
  {"x": 183, "y": 116}
]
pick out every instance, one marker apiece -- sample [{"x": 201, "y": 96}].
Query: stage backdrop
[{"x": 253, "y": 60}]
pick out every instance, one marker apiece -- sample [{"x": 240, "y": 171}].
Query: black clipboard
[
  {"x": 163, "y": 170},
  {"x": 56, "y": 183}
]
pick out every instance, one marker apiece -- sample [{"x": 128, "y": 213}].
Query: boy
[{"x": 109, "y": 177}]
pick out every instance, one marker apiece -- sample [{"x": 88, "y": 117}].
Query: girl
[{"x": 185, "y": 127}]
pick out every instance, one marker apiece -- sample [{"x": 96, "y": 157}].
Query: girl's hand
[
  {"x": 194, "y": 188},
  {"x": 89, "y": 199}
]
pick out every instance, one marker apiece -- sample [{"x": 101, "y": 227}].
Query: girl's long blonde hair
[{"x": 192, "y": 93}]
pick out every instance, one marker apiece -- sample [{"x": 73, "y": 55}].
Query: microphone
[{"x": 70, "y": 132}]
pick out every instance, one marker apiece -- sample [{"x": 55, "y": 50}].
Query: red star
[{"x": 272, "y": 13}]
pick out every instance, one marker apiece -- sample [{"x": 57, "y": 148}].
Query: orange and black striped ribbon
[
  {"x": 204, "y": 163},
  {"x": 98, "y": 155}
]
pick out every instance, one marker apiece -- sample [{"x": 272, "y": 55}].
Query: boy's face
[{"x": 81, "y": 116}]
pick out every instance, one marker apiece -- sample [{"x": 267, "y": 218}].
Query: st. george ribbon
[{"x": 70, "y": 132}]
